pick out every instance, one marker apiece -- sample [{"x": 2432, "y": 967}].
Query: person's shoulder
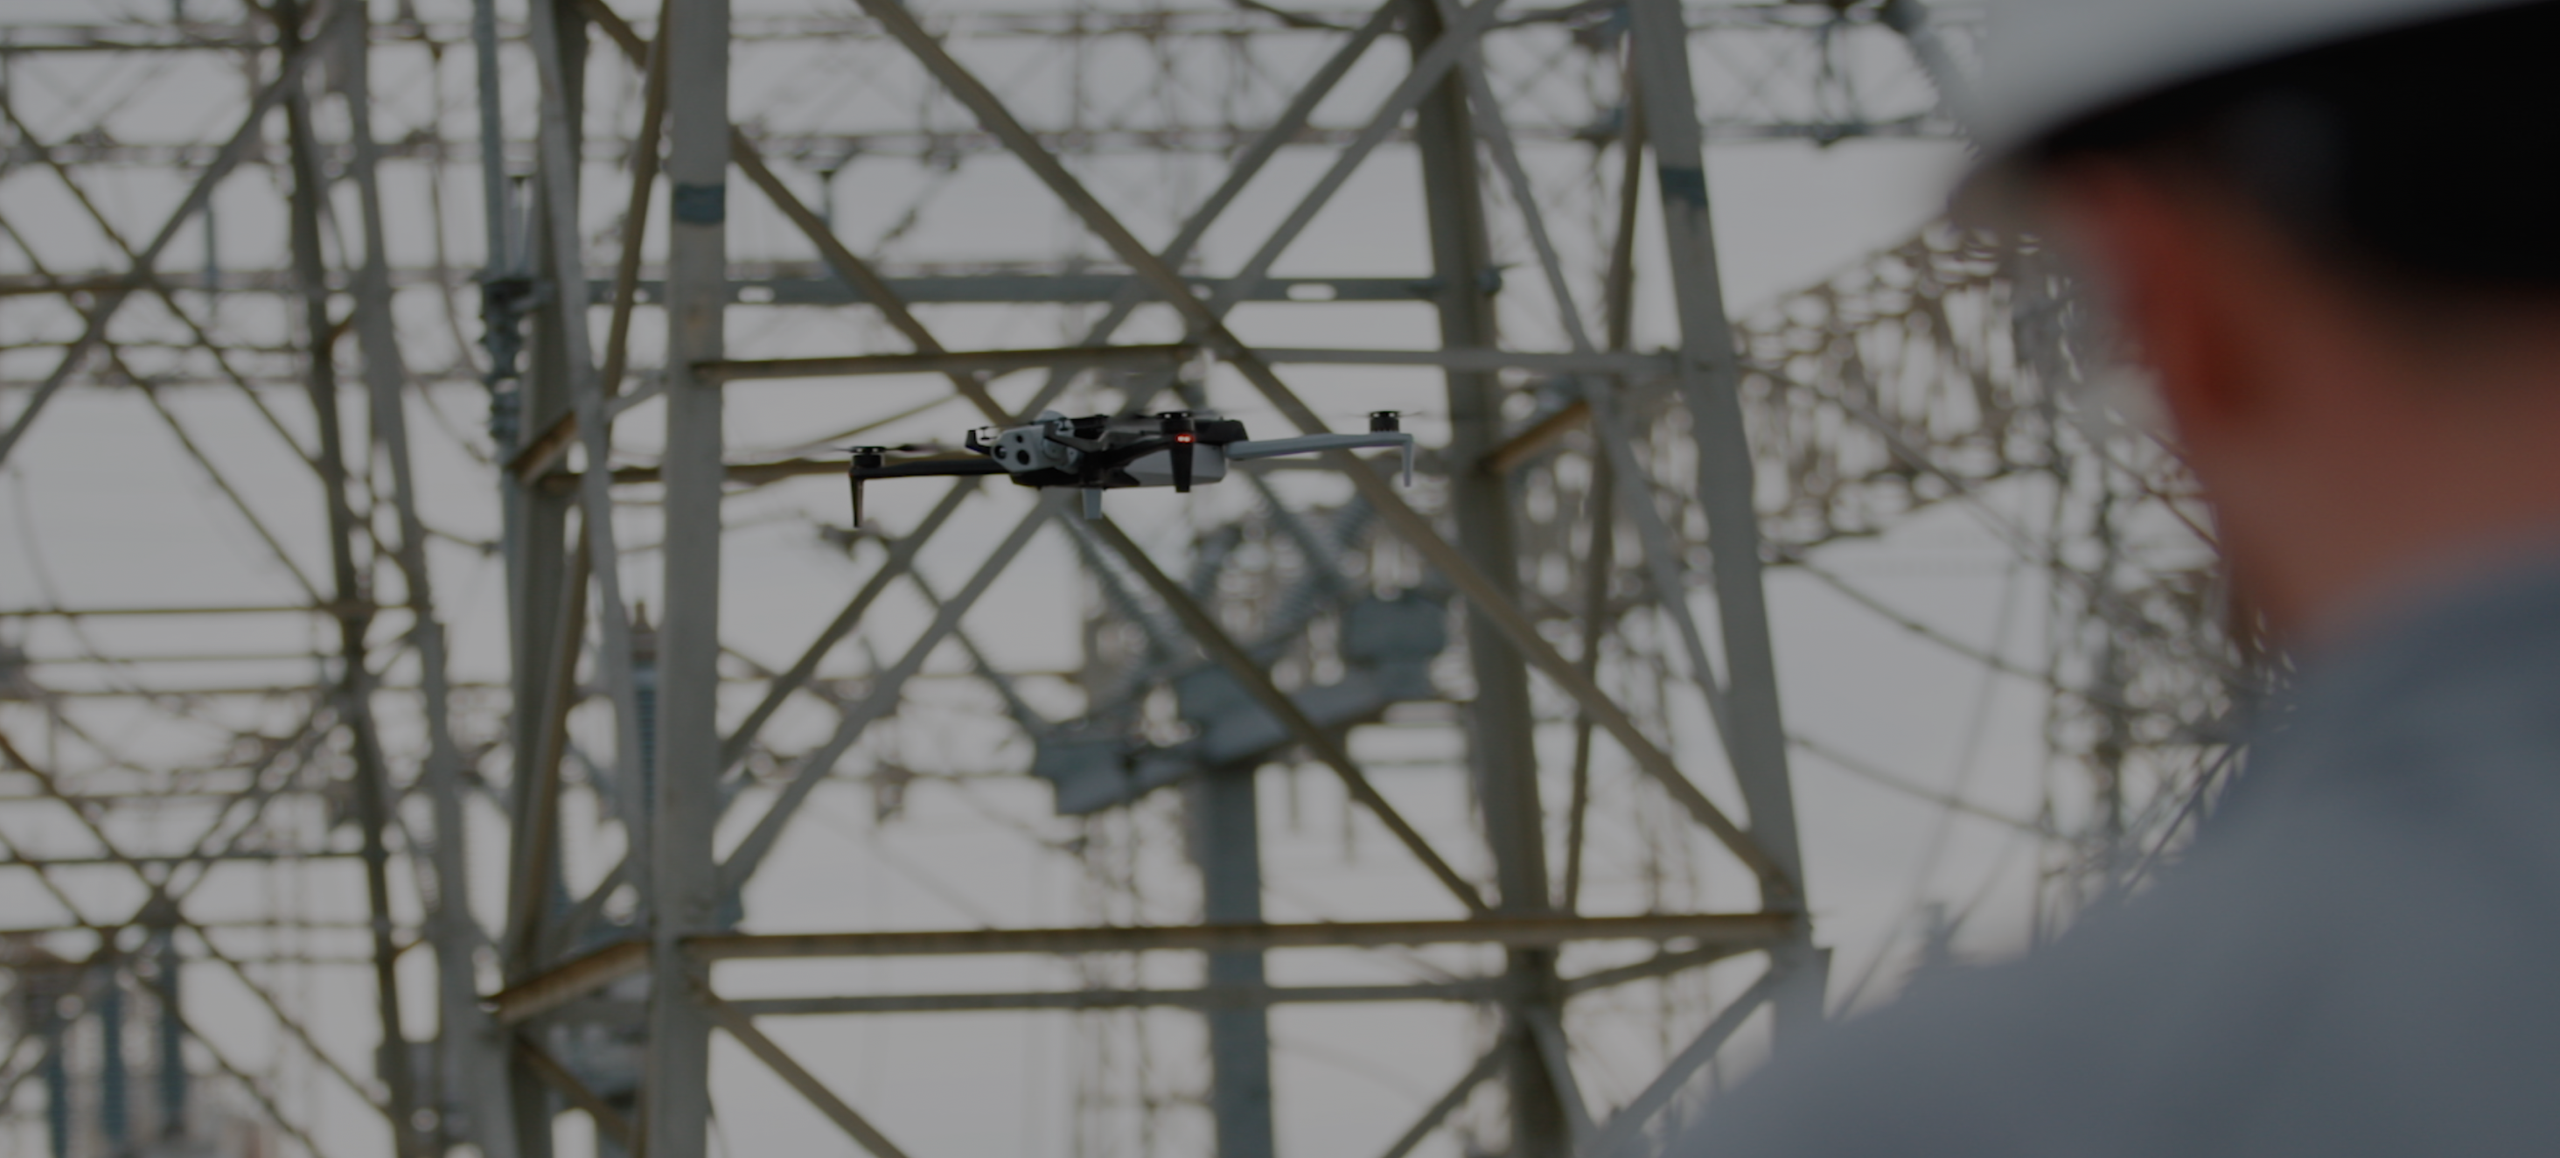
[
  {"x": 2434, "y": 746},
  {"x": 2334, "y": 969},
  {"x": 1939, "y": 1072},
  {"x": 2244, "y": 1007}
]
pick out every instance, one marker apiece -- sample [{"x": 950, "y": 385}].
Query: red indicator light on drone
[{"x": 1182, "y": 438}]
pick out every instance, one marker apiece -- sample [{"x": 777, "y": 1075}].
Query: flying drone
[{"x": 1179, "y": 449}]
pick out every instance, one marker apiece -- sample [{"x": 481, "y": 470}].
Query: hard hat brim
[{"x": 2071, "y": 63}]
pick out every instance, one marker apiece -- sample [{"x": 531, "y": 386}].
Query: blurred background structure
[{"x": 444, "y": 703}]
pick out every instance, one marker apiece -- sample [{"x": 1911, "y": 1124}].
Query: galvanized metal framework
[{"x": 1583, "y": 488}]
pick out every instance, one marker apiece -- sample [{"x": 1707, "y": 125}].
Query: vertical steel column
[
  {"x": 372, "y": 786},
  {"x": 1711, "y": 382},
  {"x": 57, "y": 1077},
  {"x": 538, "y": 541},
  {"x": 1501, "y": 730},
  {"x": 683, "y": 876},
  {"x": 115, "y": 1105},
  {"x": 172, "y": 1072},
  {"x": 470, "y": 1062},
  {"x": 501, "y": 279},
  {"x": 1226, "y": 842},
  {"x": 644, "y": 695},
  {"x": 493, "y": 174},
  {"x": 212, "y": 268}
]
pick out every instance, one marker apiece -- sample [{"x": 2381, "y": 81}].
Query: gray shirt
[{"x": 2357, "y": 957}]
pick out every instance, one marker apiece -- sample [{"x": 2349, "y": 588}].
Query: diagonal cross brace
[
  {"x": 882, "y": 700},
  {"x": 252, "y": 132},
  {"x": 1444, "y": 54},
  {"x": 743, "y": 1028},
  {"x": 1241, "y": 666},
  {"x": 1487, "y": 1065},
  {"x": 902, "y": 555},
  {"x": 1247, "y": 166},
  {"x": 1625, "y": 1133},
  {"x": 901, "y": 559},
  {"x": 557, "y": 171}
]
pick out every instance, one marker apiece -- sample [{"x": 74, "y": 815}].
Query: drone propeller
[
  {"x": 864, "y": 458},
  {"x": 901, "y": 448}
]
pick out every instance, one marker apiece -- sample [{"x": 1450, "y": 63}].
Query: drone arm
[
  {"x": 932, "y": 468},
  {"x": 928, "y": 468},
  {"x": 1312, "y": 443}
]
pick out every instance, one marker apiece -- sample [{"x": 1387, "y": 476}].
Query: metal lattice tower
[{"x": 474, "y": 655}]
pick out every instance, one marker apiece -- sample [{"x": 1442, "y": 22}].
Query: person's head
[{"x": 2341, "y": 264}]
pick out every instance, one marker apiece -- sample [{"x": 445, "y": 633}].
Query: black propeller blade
[{"x": 865, "y": 458}]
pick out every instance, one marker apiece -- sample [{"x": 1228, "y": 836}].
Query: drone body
[{"x": 1178, "y": 449}]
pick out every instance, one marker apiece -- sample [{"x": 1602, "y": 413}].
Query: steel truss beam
[
  {"x": 578, "y": 978},
  {"x": 1495, "y": 989}
]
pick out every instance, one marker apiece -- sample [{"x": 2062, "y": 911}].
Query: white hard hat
[{"x": 2049, "y": 63}]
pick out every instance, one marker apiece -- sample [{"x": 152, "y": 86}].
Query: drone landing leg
[{"x": 1092, "y": 502}]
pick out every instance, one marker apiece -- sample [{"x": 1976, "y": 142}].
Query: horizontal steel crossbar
[
  {"x": 1210, "y": 997},
  {"x": 1509, "y": 932},
  {"x": 997, "y": 361},
  {"x": 585, "y": 975},
  {"x": 333, "y": 609},
  {"x": 952, "y": 362}
]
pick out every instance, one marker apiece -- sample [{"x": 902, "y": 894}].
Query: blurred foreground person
[{"x": 2330, "y": 229}]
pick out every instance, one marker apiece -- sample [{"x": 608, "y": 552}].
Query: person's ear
[{"x": 2172, "y": 288}]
